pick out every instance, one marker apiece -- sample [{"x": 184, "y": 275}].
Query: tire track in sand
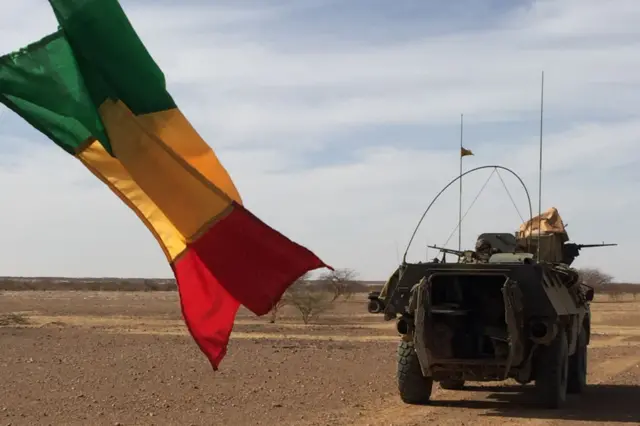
[{"x": 602, "y": 373}]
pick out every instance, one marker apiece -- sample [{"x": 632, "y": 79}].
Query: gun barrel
[
  {"x": 446, "y": 250},
  {"x": 596, "y": 245}
]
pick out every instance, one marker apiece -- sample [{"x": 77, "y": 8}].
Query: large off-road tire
[
  {"x": 577, "y": 380},
  {"x": 413, "y": 386},
  {"x": 374, "y": 306},
  {"x": 452, "y": 384},
  {"x": 552, "y": 367}
]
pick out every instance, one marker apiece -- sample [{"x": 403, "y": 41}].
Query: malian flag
[{"x": 96, "y": 92}]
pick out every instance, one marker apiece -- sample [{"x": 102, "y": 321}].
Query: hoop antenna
[{"x": 415, "y": 231}]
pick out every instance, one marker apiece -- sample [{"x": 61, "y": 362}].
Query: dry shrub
[
  {"x": 603, "y": 283},
  {"x": 310, "y": 300},
  {"x": 13, "y": 319},
  {"x": 340, "y": 282},
  {"x": 595, "y": 278},
  {"x": 273, "y": 314}
]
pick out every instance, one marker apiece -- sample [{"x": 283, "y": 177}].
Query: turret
[{"x": 546, "y": 235}]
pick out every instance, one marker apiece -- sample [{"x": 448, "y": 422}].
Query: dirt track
[{"x": 91, "y": 358}]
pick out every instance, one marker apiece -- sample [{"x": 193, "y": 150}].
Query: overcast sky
[{"x": 339, "y": 122}]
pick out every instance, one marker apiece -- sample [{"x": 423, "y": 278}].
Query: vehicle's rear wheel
[
  {"x": 552, "y": 367},
  {"x": 374, "y": 306},
  {"x": 577, "y": 380},
  {"x": 413, "y": 386},
  {"x": 452, "y": 384}
]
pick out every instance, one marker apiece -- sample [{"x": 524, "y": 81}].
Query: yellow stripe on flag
[
  {"x": 110, "y": 171},
  {"x": 173, "y": 129},
  {"x": 189, "y": 201}
]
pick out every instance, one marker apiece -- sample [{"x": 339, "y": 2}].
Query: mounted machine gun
[{"x": 572, "y": 250}]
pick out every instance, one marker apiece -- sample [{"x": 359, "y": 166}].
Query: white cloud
[
  {"x": 251, "y": 90},
  {"x": 278, "y": 110}
]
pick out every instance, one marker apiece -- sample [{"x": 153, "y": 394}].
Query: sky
[{"x": 339, "y": 121}]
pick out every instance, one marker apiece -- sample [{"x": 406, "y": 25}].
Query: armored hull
[
  {"x": 491, "y": 321},
  {"x": 511, "y": 308}
]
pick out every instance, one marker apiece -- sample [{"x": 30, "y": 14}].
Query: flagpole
[{"x": 460, "y": 196}]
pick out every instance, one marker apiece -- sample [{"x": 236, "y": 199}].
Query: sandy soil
[{"x": 93, "y": 358}]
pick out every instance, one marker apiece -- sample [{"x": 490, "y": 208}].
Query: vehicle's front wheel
[
  {"x": 413, "y": 386},
  {"x": 552, "y": 367},
  {"x": 577, "y": 379}
]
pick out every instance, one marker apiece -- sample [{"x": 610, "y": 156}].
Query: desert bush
[
  {"x": 340, "y": 282},
  {"x": 13, "y": 319},
  {"x": 595, "y": 277},
  {"x": 310, "y": 301},
  {"x": 275, "y": 309},
  {"x": 603, "y": 283},
  {"x": 623, "y": 288}
]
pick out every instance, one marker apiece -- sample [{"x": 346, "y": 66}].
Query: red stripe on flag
[
  {"x": 239, "y": 260},
  {"x": 208, "y": 309}
]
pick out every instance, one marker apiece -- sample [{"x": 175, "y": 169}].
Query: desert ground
[{"x": 125, "y": 358}]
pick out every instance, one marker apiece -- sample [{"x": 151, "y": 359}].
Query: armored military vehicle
[
  {"x": 512, "y": 308},
  {"x": 375, "y": 305}
]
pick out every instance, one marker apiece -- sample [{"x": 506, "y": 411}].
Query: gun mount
[
  {"x": 445, "y": 250},
  {"x": 463, "y": 255}
]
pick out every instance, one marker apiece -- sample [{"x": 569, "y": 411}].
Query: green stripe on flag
[
  {"x": 43, "y": 84},
  {"x": 101, "y": 35}
]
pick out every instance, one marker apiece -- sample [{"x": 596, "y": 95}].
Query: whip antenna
[{"x": 540, "y": 169}]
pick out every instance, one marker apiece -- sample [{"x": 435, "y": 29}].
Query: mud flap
[{"x": 513, "y": 308}]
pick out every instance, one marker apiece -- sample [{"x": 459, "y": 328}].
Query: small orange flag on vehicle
[{"x": 464, "y": 152}]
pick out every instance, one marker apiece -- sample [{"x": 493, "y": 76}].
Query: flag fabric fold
[
  {"x": 464, "y": 152},
  {"x": 94, "y": 90}
]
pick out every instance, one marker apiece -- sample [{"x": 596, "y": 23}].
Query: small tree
[
  {"x": 276, "y": 308},
  {"x": 285, "y": 299},
  {"x": 595, "y": 277},
  {"x": 310, "y": 301},
  {"x": 341, "y": 282}
]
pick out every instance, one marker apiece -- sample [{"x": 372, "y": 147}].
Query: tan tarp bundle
[{"x": 550, "y": 223}]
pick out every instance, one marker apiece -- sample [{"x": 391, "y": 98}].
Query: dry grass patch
[{"x": 13, "y": 319}]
